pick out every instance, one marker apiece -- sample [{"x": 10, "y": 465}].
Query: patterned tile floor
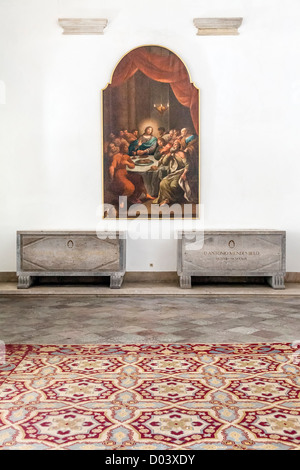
[{"x": 144, "y": 319}]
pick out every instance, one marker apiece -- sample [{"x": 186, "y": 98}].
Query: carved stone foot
[
  {"x": 277, "y": 282},
  {"x": 116, "y": 281},
  {"x": 24, "y": 282},
  {"x": 185, "y": 282}
]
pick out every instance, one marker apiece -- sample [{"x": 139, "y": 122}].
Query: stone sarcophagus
[
  {"x": 70, "y": 254},
  {"x": 234, "y": 253}
]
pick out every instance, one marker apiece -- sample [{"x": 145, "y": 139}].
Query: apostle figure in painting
[
  {"x": 124, "y": 183},
  {"x": 161, "y": 131},
  {"x": 169, "y": 136},
  {"x": 188, "y": 142},
  {"x": 120, "y": 139},
  {"x": 145, "y": 144},
  {"x": 174, "y": 187},
  {"x": 112, "y": 149},
  {"x": 108, "y": 142},
  {"x": 135, "y": 132},
  {"x": 162, "y": 148},
  {"x": 129, "y": 136}
]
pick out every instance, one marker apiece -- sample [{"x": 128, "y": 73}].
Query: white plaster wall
[{"x": 50, "y": 127}]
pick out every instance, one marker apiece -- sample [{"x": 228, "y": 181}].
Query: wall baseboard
[
  {"x": 292, "y": 277},
  {"x": 150, "y": 276},
  {"x": 8, "y": 277}
]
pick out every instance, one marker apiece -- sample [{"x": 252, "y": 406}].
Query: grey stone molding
[
  {"x": 217, "y": 26},
  {"x": 24, "y": 282},
  {"x": 83, "y": 25},
  {"x": 157, "y": 277}
]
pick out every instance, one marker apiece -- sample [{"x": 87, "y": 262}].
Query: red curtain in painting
[{"x": 167, "y": 69}]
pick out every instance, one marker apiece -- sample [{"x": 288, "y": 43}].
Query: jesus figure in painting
[{"x": 145, "y": 144}]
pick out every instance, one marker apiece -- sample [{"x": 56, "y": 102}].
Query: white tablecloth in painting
[{"x": 151, "y": 178}]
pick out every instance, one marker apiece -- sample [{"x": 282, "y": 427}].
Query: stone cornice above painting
[
  {"x": 217, "y": 26},
  {"x": 83, "y": 25}
]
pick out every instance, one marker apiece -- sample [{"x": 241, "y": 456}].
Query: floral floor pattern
[{"x": 150, "y": 397}]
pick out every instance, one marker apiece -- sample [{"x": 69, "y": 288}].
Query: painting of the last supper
[{"x": 150, "y": 118}]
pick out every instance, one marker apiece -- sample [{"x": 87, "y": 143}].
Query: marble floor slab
[{"x": 209, "y": 318}]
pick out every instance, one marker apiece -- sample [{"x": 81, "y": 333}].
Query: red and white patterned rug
[{"x": 150, "y": 397}]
